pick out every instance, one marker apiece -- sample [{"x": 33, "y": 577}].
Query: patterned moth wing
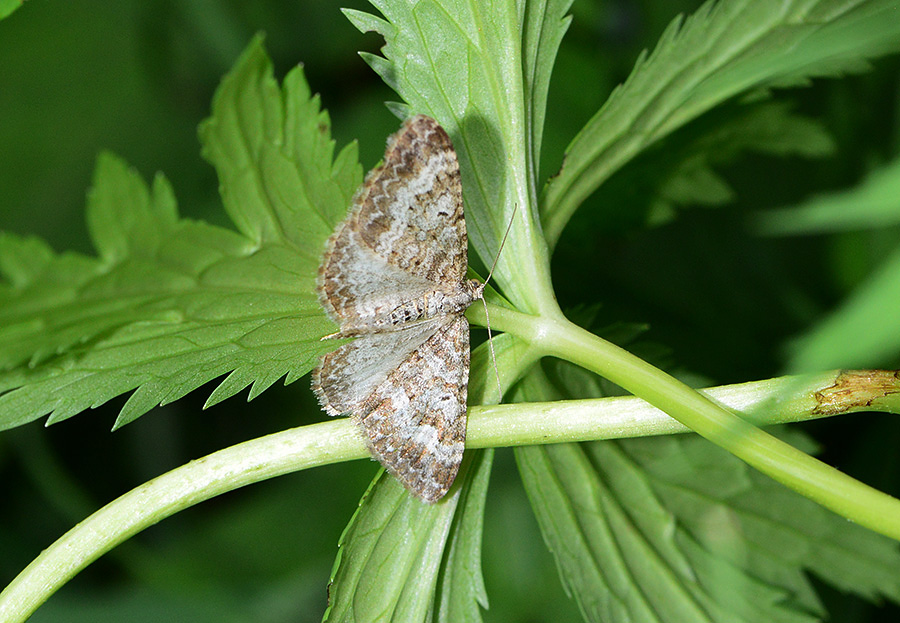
[{"x": 393, "y": 278}]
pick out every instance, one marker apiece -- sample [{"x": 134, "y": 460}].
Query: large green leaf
[
  {"x": 170, "y": 303},
  {"x": 721, "y": 51},
  {"x": 403, "y": 560},
  {"x": 675, "y": 529},
  {"x": 482, "y": 70}
]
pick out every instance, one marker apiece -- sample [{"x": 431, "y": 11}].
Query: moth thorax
[{"x": 475, "y": 289}]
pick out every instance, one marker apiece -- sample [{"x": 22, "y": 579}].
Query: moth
[{"x": 393, "y": 278}]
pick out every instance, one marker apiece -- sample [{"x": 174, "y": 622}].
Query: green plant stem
[
  {"x": 337, "y": 440},
  {"x": 140, "y": 508},
  {"x": 772, "y": 401},
  {"x": 795, "y": 469}
]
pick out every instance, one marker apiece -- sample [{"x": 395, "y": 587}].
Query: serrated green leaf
[
  {"x": 482, "y": 70},
  {"x": 723, "y": 50},
  {"x": 70, "y": 300},
  {"x": 681, "y": 170},
  {"x": 715, "y": 539},
  {"x": 545, "y": 24},
  {"x": 762, "y": 526},
  {"x": 142, "y": 229},
  {"x": 171, "y": 303},
  {"x": 612, "y": 538},
  {"x": 396, "y": 549},
  {"x": 273, "y": 153}
]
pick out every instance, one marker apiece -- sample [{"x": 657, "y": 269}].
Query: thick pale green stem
[
  {"x": 226, "y": 470},
  {"x": 772, "y": 401},
  {"x": 790, "y": 399},
  {"x": 799, "y": 471}
]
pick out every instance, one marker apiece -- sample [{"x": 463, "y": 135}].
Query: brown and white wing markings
[
  {"x": 403, "y": 249},
  {"x": 347, "y": 376},
  {"x": 406, "y": 229},
  {"x": 417, "y": 196},
  {"x": 415, "y": 421}
]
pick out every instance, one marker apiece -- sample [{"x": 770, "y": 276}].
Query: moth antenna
[
  {"x": 484, "y": 303},
  {"x": 493, "y": 355},
  {"x": 502, "y": 242}
]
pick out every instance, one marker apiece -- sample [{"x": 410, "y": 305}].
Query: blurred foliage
[{"x": 137, "y": 78}]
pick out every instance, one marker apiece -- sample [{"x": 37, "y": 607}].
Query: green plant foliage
[
  {"x": 875, "y": 202},
  {"x": 719, "y": 52},
  {"x": 715, "y": 539},
  {"x": 8, "y": 6},
  {"x": 865, "y": 328},
  {"x": 170, "y": 304},
  {"x": 592, "y": 538},
  {"x": 483, "y": 71},
  {"x": 666, "y": 530},
  {"x": 681, "y": 171},
  {"x": 400, "y": 560}
]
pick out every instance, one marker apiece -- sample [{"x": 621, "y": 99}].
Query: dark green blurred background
[{"x": 136, "y": 78}]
